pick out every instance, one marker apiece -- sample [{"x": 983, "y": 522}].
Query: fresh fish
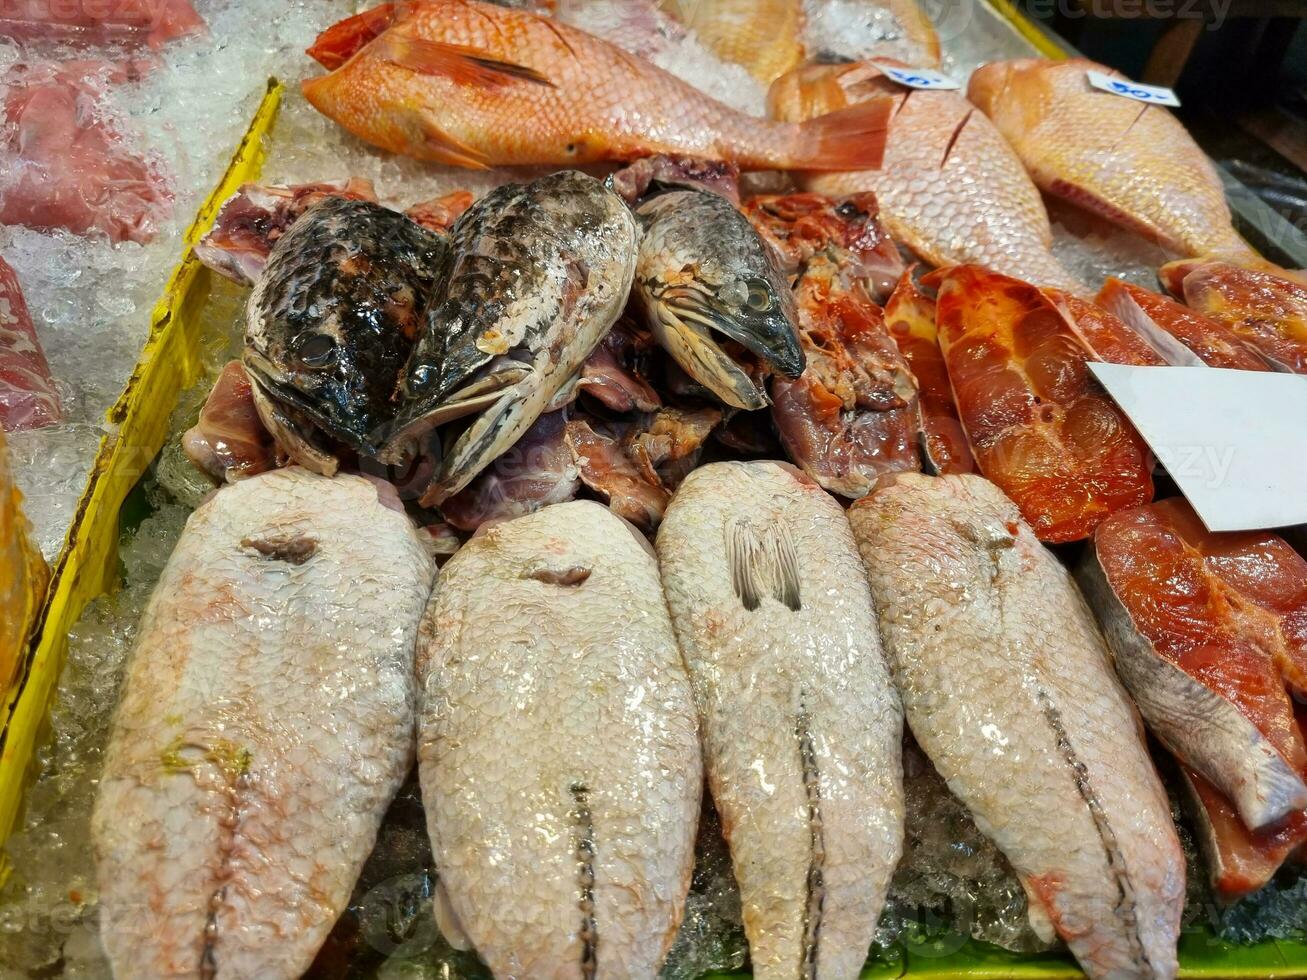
[
  {"x": 853, "y": 30},
  {"x": 331, "y": 323},
  {"x": 23, "y": 585},
  {"x": 154, "y": 23},
  {"x": 801, "y": 726},
  {"x": 266, "y": 722},
  {"x": 910, "y": 319},
  {"x": 1106, "y": 335},
  {"x": 762, "y": 35},
  {"x": 558, "y": 749},
  {"x": 228, "y": 442},
  {"x": 703, "y": 268},
  {"x": 1266, "y": 311},
  {"x": 847, "y": 230},
  {"x": 250, "y": 221},
  {"x": 440, "y": 213},
  {"x": 1206, "y": 632},
  {"x": 1038, "y": 425},
  {"x": 1009, "y": 690},
  {"x": 28, "y": 397},
  {"x": 473, "y": 84},
  {"x": 540, "y": 271},
  {"x": 634, "y": 181},
  {"x": 1185, "y": 336},
  {"x": 950, "y": 188},
  {"x": 1132, "y": 163},
  {"x": 616, "y": 372}
]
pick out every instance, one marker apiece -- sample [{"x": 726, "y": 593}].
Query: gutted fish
[
  {"x": 616, "y": 374},
  {"x": 1132, "y": 163},
  {"x": 801, "y": 725},
  {"x": 28, "y": 397},
  {"x": 228, "y": 442},
  {"x": 474, "y": 84},
  {"x": 1105, "y": 334},
  {"x": 950, "y": 188},
  {"x": 331, "y": 323},
  {"x": 1038, "y": 425},
  {"x": 1265, "y": 310},
  {"x": 762, "y": 35},
  {"x": 539, "y": 273},
  {"x": 703, "y": 269},
  {"x": 634, "y": 181},
  {"x": 852, "y": 30},
  {"x": 1009, "y": 690},
  {"x": 558, "y": 749},
  {"x": 1185, "y": 336},
  {"x": 265, "y": 723},
  {"x": 910, "y": 319},
  {"x": 23, "y": 584},
  {"x": 1207, "y": 633}
]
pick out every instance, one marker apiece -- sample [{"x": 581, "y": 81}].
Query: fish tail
[
  {"x": 847, "y": 139},
  {"x": 344, "y": 39}
]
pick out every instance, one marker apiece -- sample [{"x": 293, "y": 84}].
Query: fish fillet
[
  {"x": 1007, "y": 686},
  {"x": 558, "y": 749},
  {"x": 265, "y": 724},
  {"x": 801, "y": 725}
]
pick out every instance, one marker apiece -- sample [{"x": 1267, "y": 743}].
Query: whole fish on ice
[
  {"x": 765, "y": 36},
  {"x": 266, "y": 721},
  {"x": 1009, "y": 689},
  {"x": 474, "y": 84},
  {"x": 801, "y": 726},
  {"x": 558, "y": 749}
]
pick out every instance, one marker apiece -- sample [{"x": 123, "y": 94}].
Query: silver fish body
[
  {"x": 801, "y": 725},
  {"x": 331, "y": 322},
  {"x": 540, "y": 272},
  {"x": 558, "y": 749},
  {"x": 265, "y": 724},
  {"x": 1007, "y": 686},
  {"x": 703, "y": 268}
]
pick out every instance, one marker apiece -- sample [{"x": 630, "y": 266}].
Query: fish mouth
[
  {"x": 294, "y": 434},
  {"x": 684, "y": 318},
  {"x": 308, "y": 413}
]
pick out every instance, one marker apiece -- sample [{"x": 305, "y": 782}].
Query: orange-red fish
[
  {"x": 761, "y": 35},
  {"x": 23, "y": 577},
  {"x": 1037, "y": 424},
  {"x": 950, "y": 188},
  {"x": 472, "y": 84},
  {"x": 1104, "y": 333},
  {"x": 1132, "y": 163}
]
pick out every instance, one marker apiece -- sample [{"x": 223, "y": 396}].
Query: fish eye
[
  {"x": 760, "y": 298},
  {"x": 316, "y": 350}
]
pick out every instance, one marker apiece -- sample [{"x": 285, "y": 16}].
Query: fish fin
[
  {"x": 463, "y": 65},
  {"x": 440, "y": 147},
  {"x": 447, "y": 920},
  {"x": 847, "y": 139},
  {"x": 344, "y": 39},
  {"x": 1041, "y": 922},
  {"x": 763, "y": 562}
]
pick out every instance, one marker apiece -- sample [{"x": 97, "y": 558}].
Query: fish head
[{"x": 704, "y": 273}]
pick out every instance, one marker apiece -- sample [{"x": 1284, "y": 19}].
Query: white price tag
[
  {"x": 919, "y": 78},
  {"x": 1151, "y": 94}
]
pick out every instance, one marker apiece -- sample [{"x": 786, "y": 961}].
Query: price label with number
[
  {"x": 1151, "y": 94},
  {"x": 919, "y": 78}
]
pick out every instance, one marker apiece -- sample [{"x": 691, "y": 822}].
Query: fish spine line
[
  {"x": 237, "y": 781},
  {"x": 584, "y": 844},
  {"x": 814, "y": 907}
]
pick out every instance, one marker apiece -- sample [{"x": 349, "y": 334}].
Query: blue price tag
[
  {"x": 1138, "y": 91},
  {"x": 926, "y": 78}
]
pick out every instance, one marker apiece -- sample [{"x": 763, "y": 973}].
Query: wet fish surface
[
  {"x": 266, "y": 722},
  {"x": 558, "y": 749},
  {"x": 28, "y": 397},
  {"x": 1008, "y": 688},
  {"x": 23, "y": 585},
  {"x": 801, "y": 725},
  {"x": 539, "y": 273},
  {"x": 331, "y": 323}
]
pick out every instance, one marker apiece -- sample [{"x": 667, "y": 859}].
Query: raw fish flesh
[
  {"x": 1038, "y": 425},
  {"x": 1169, "y": 325},
  {"x": 950, "y": 188},
  {"x": 266, "y": 722},
  {"x": 761, "y": 35},
  {"x": 910, "y": 318},
  {"x": 616, "y": 372},
  {"x": 1209, "y": 632},
  {"x": 229, "y": 442},
  {"x": 67, "y": 163},
  {"x": 558, "y": 749},
  {"x": 802, "y": 728},
  {"x": 634, "y": 181},
  {"x": 84, "y": 21},
  {"x": 440, "y": 213},
  {"x": 1008, "y": 688},
  {"x": 23, "y": 576},
  {"x": 473, "y": 84},
  {"x": 1130, "y": 162},
  {"x": 1104, "y": 333},
  {"x": 28, "y": 399}
]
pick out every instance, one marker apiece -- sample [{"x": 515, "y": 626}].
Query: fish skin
[
  {"x": 1008, "y": 687},
  {"x": 1106, "y": 335},
  {"x": 801, "y": 725},
  {"x": 584, "y": 683},
  {"x": 761, "y": 35},
  {"x": 1133, "y": 164},
  {"x": 331, "y": 322},
  {"x": 539, "y": 270},
  {"x": 23, "y": 584},
  {"x": 28, "y": 396},
  {"x": 950, "y": 188},
  {"x": 264, "y": 727},
  {"x": 475, "y": 84},
  {"x": 701, "y": 268}
]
